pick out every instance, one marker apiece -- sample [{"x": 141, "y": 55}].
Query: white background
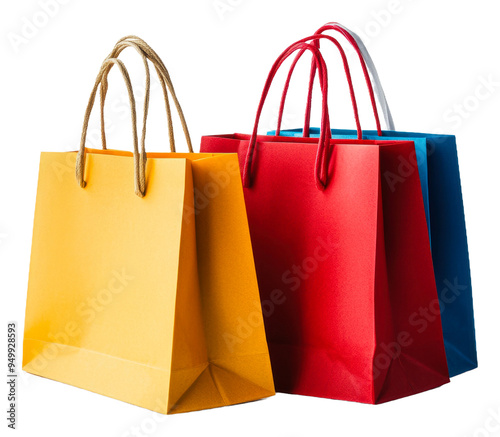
[{"x": 431, "y": 55}]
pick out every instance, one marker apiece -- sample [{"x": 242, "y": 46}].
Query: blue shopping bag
[
  {"x": 437, "y": 163},
  {"x": 418, "y": 164}
]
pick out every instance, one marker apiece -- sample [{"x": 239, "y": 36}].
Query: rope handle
[
  {"x": 350, "y": 39},
  {"x": 320, "y": 171},
  {"x": 316, "y": 42},
  {"x": 147, "y": 53},
  {"x": 139, "y": 158},
  {"x": 362, "y": 51}
]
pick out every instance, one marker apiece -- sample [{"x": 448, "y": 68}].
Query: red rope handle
[
  {"x": 325, "y": 135},
  {"x": 352, "y": 41},
  {"x": 315, "y": 41}
]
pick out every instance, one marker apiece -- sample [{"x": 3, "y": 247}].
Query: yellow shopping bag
[{"x": 142, "y": 283}]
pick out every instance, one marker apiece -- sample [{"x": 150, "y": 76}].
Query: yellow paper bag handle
[
  {"x": 139, "y": 158},
  {"x": 146, "y": 52}
]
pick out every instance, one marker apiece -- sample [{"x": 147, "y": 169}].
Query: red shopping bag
[{"x": 343, "y": 261}]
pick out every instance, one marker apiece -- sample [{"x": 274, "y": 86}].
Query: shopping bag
[
  {"x": 142, "y": 274},
  {"x": 419, "y": 160},
  {"x": 437, "y": 163},
  {"x": 343, "y": 262}
]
